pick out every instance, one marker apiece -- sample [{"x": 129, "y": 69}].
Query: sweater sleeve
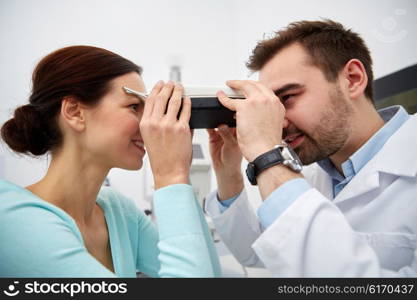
[{"x": 186, "y": 248}]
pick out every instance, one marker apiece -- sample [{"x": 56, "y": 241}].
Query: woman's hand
[
  {"x": 227, "y": 160},
  {"x": 166, "y": 134}
]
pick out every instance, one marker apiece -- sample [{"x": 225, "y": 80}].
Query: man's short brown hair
[{"x": 329, "y": 45}]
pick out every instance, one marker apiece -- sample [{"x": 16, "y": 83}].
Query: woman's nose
[{"x": 286, "y": 123}]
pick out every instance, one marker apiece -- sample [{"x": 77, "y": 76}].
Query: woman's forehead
[{"x": 131, "y": 80}]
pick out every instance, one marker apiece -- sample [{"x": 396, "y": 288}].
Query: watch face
[
  {"x": 295, "y": 156},
  {"x": 291, "y": 159}
]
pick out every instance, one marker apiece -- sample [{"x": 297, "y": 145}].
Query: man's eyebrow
[{"x": 287, "y": 87}]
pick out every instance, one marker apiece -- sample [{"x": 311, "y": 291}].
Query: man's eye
[{"x": 286, "y": 97}]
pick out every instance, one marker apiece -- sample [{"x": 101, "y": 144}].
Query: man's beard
[{"x": 330, "y": 134}]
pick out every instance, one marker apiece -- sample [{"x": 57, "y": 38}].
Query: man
[{"x": 354, "y": 212}]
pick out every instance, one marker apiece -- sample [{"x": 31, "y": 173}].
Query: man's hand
[
  {"x": 260, "y": 120},
  {"x": 227, "y": 160},
  {"x": 259, "y": 117}
]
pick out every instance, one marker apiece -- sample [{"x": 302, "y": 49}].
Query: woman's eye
[{"x": 134, "y": 107}]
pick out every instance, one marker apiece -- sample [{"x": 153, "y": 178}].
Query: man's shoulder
[{"x": 405, "y": 138}]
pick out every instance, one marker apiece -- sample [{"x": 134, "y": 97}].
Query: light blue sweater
[{"x": 38, "y": 239}]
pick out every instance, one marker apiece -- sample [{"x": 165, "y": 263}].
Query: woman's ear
[
  {"x": 72, "y": 112},
  {"x": 356, "y": 78}
]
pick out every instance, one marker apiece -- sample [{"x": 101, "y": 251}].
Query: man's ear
[
  {"x": 355, "y": 77},
  {"x": 72, "y": 112}
]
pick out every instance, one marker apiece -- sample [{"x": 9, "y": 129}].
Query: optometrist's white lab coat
[{"x": 368, "y": 230}]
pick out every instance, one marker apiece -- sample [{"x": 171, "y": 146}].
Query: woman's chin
[{"x": 132, "y": 166}]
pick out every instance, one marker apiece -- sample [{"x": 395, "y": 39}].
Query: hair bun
[{"x": 26, "y": 131}]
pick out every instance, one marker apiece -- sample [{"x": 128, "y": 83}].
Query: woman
[{"x": 67, "y": 224}]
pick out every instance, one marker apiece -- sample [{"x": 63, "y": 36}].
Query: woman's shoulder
[
  {"x": 18, "y": 202},
  {"x": 25, "y": 216},
  {"x": 9, "y": 187},
  {"x": 13, "y": 195}
]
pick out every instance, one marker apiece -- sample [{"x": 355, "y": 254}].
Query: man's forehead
[
  {"x": 277, "y": 80},
  {"x": 288, "y": 66}
]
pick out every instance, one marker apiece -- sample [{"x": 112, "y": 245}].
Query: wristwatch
[{"x": 281, "y": 154}]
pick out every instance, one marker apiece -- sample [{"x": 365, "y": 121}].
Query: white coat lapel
[
  {"x": 365, "y": 181},
  {"x": 318, "y": 178},
  {"x": 397, "y": 158}
]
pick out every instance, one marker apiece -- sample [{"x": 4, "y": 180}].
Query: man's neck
[{"x": 364, "y": 124}]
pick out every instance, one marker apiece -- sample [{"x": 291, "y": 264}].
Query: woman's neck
[{"x": 72, "y": 183}]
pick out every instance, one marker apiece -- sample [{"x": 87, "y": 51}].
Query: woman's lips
[{"x": 139, "y": 144}]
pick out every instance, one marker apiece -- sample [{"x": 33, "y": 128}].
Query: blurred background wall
[{"x": 209, "y": 40}]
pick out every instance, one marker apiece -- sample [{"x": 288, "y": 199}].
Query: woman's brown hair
[{"x": 83, "y": 72}]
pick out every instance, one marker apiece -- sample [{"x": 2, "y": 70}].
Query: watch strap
[
  {"x": 267, "y": 160},
  {"x": 263, "y": 162}
]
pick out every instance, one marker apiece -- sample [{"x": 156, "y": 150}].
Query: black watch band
[{"x": 263, "y": 162}]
